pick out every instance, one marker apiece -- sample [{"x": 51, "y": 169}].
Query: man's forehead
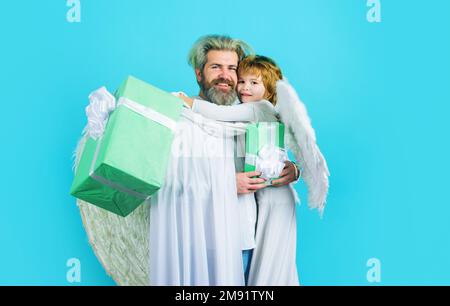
[{"x": 225, "y": 57}]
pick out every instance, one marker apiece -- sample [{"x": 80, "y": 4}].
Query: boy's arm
[{"x": 244, "y": 112}]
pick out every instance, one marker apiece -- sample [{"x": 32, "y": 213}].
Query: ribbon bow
[
  {"x": 270, "y": 161},
  {"x": 101, "y": 104}
]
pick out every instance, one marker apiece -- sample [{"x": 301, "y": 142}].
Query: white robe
[
  {"x": 194, "y": 227},
  {"x": 274, "y": 257}
]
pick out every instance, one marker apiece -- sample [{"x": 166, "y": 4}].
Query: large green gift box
[
  {"x": 258, "y": 136},
  {"x": 125, "y": 166}
]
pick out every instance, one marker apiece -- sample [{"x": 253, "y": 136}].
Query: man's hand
[
  {"x": 287, "y": 176},
  {"x": 246, "y": 184}
]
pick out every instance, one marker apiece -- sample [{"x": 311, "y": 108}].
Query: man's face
[{"x": 219, "y": 77}]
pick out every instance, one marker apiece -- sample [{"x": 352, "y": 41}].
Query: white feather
[
  {"x": 79, "y": 149},
  {"x": 301, "y": 139}
]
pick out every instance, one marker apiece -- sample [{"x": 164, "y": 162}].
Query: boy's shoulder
[
  {"x": 264, "y": 104},
  {"x": 266, "y": 111}
]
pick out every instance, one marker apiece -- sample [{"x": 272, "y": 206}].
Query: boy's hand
[
  {"x": 188, "y": 101},
  {"x": 245, "y": 182}
]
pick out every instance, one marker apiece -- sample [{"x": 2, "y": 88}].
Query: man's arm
[
  {"x": 246, "y": 184},
  {"x": 289, "y": 174}
]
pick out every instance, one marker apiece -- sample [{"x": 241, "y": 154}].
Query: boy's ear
[{"x": 198, "y": 74}]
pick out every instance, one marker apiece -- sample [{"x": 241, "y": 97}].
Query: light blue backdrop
[{"x": 378, "y": 94}]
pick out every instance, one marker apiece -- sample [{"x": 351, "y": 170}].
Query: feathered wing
[
  {"x": 120, "y": 244},
  {"x": 301, "y": 139},
  {"x": 79, "y": 149}
]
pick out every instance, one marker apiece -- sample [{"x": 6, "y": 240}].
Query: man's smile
[{"x": 223, "y": 86}]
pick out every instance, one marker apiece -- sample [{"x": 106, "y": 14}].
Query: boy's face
[{"x": 250, "y": 88}]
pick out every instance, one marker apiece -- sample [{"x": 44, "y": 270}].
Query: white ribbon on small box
[{"x": 269, "y": 161}]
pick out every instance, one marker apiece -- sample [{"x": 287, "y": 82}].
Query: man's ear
[{"x": 198, "y": 74}]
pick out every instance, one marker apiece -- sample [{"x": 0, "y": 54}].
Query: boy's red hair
[{"x": 266, "y": 68}]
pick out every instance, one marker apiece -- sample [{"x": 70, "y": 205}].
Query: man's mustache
[{"x": 224, "y": 81}]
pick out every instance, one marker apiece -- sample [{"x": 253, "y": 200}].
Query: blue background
[{"x": 378, "y": 95}]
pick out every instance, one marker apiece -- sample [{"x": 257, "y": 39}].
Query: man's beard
[{"x": 217, "y": 96}]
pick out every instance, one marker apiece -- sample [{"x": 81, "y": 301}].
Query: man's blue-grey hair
[{"x": 198, "y": 55}]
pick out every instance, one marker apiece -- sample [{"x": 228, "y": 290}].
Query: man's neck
[{"x": 202, "y": 95}]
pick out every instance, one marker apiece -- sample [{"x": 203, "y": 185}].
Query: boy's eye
[
  {"x": 240, "y": 82},
  {"x": 254, "y": 83}
]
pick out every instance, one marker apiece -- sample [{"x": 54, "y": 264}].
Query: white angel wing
[
  {"x": 301, "y": 139},
  {"x": 120, "y": 244}
]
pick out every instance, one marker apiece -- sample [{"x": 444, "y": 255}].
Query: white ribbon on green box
[
  {"x": 265, "y": 149},
  {"x": 101, "y": 104}
]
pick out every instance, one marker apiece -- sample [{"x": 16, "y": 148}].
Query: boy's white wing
[{"x": 301, "y": 139}]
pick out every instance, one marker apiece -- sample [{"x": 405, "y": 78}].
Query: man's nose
[{"x": 225, "y": 74}]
